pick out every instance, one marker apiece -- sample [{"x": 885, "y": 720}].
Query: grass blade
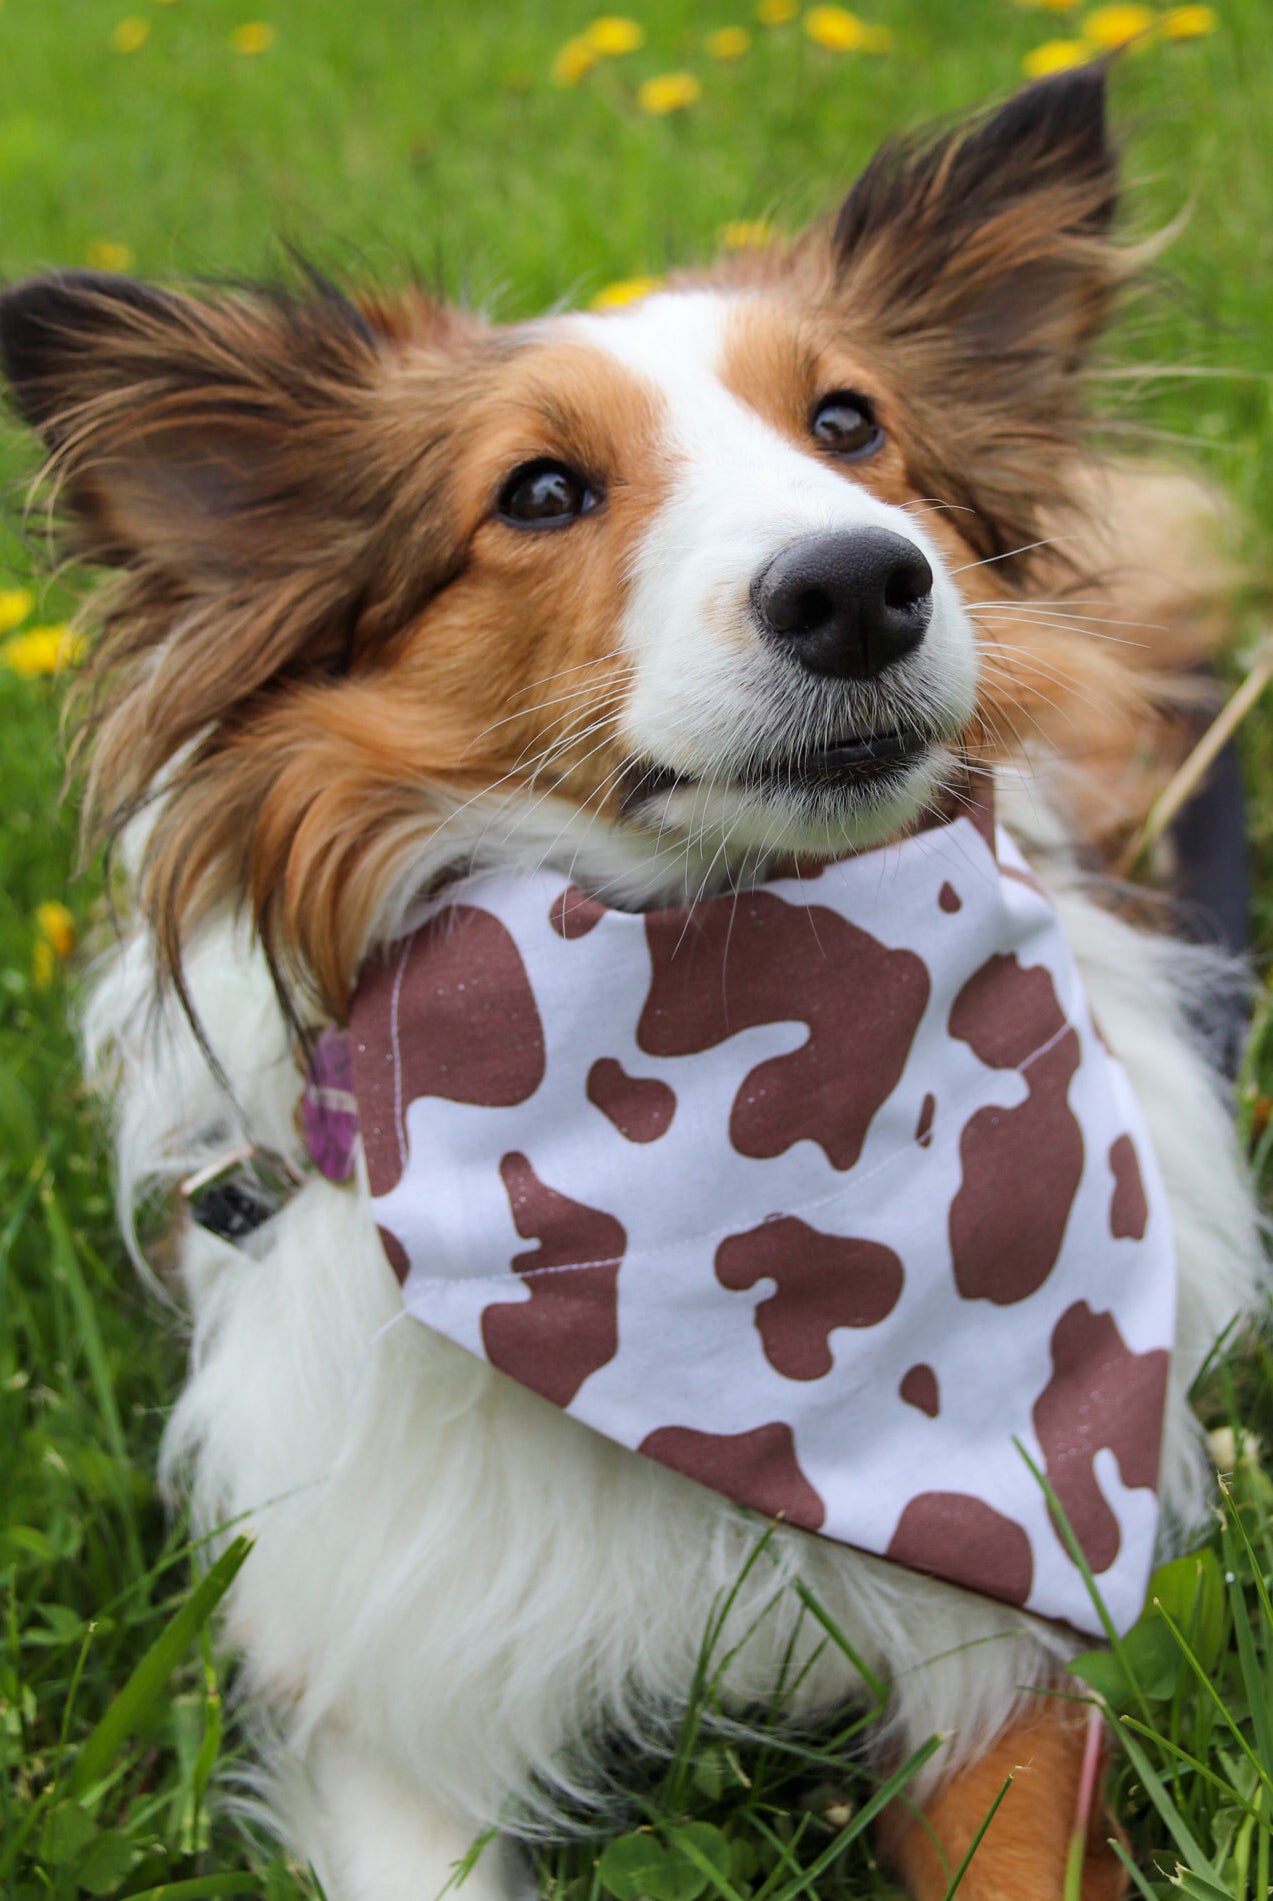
[
  {"x": 1079, "y": 1556},
  {"x": 976, "y": 1841},
  {"x": 1244, "y": 1638},
  {"x": 67, "y": 1260},
  {"x": 1138, "y": 1880},
  {"x": 1174, "y": 1821},
  {"x": 878, "y": 1688},
  {"x": 150, "y": 1678},
  {"x": 1224, "y": 1789},
  {"x": 862, "y": 1820}
]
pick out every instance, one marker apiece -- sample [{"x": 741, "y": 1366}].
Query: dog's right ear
[
  {"x": 210, "y": 439},
  {"x": 49, "y": 324},
  {"x": 270, "y": 470}
]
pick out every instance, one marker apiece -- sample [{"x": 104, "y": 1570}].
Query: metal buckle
[{"x": 235, "y": 1196}]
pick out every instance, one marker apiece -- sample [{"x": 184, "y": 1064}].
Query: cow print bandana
[{"x": 828, "y": 1195}]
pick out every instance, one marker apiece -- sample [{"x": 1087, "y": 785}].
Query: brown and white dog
[{"x": 396, "y": 592}]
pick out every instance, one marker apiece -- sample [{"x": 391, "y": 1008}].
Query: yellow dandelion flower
[
  {"x": 612, "y": 35},
  {"x": 1188, "y": 23},
  {"x": 1055, "y": 56},
  {"x": 628, "y": 290},
  {"x": 255, "y": 36},
  {"x": 840, "y": 31},
  {"x": 43, "y": 963},
  {"x": 56, "y": 926},
  {"x": 669, "y": 92},
  {"x": 747, "y": 234},
  {"x": 572, "y": 62},
  {"x": 103, "y": 254},
  {"x": 776, "y": 12},
  {"x": 729, "y": 42},
  {"x": 833, "y": 27},
  {"x": 1116, "y": 26},
  {"x": 15, "y": 604},
  {"x": 130, "y": 34},
  {"x": 41, "y": 650}
]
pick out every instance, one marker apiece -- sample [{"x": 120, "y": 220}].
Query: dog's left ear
[
  {"x": 980, "y": 266},
  {"x": 998, "y": 228}
]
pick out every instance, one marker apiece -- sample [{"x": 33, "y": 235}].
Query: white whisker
[{"x": 1047, "y": 541}]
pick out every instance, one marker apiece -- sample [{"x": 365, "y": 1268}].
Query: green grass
[{"x": 402, "y": 134}]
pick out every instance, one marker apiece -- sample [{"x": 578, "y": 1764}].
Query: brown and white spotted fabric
[{"x": 828, "y": 1195}]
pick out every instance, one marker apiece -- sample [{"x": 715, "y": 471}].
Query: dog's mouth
[{"x": 859, "y": 760}]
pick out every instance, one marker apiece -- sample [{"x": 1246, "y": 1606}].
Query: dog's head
[{"x": 670, "y": 588}]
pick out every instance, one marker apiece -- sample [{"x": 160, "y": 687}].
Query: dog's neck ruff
[{"x": 827, "y": 1195}]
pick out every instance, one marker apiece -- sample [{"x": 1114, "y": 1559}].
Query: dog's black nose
[{"x": 850, "y": 603}]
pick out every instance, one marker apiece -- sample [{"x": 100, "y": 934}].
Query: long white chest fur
[{"x": 453, "y": 1582}]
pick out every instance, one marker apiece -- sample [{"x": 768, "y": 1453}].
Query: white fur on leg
[{"x": 370, "y": 1839}]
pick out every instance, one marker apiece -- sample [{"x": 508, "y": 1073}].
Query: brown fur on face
[
  {"x": 512, "y": 676},
  {"x": 973, "y": 272},
  {"x": 318, "y": 634},
  {"x": 314, "y": 601},
  {"x": 966, "y": 281}
]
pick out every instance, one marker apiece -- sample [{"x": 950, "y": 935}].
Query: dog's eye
[
  {"x": 845, "y": 425},
  {"x": 545, "y": 495}
]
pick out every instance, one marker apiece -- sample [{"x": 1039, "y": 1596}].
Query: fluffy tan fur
[{"x": 1023, "y": 1852}]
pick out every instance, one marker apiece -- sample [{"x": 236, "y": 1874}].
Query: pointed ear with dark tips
[
  {"x": 1050, "y": 137},
  {"x": 208, "y": 437},
  {"x": 48, "y": 323},
  {"x": 270, "y": 469},
  {"x": 978, "y": 267}
]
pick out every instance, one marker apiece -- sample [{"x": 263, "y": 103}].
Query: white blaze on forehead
[{"x": 676, "y": 342}]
